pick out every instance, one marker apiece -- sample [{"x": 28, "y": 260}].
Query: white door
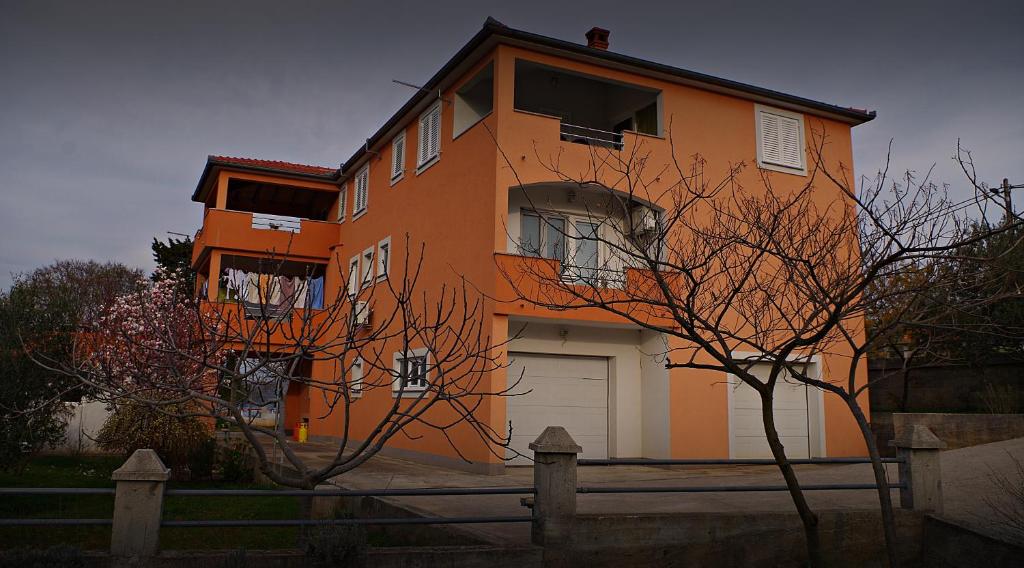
[
  {"x": 793, "y": 418},
  {"x": 558, "y": 390}
]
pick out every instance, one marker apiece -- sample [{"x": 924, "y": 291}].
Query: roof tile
[{"x": 274, "y": 165}]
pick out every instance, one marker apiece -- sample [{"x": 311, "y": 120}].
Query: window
[
  {"x": 362, "y": 189},
  {"x": 383, "y": 258},
  {"x": 367, "y": 265},
  {"x": 356, "y": 377},
  {"x": 780, "y": 140},
  {"x": 411, "y": 371},
  {"x": 342, "y": 201},
  {"x": 473, "y": 101},
  {"x": 398, "y": 157},
  {"x": 542, "y": 235},
  {"x": 585, "y": 263},
  {"x": 353, "y": 276},
  {"x": 430, "y": 136}
]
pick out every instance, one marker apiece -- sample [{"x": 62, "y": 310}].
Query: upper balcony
[
  {"x": 258, "y": 232},
  {"x": 259, "y": 214},
  {"x": 592, "y": 111}
]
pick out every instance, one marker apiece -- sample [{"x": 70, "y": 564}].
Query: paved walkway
[{"x": 967, "y": 485}]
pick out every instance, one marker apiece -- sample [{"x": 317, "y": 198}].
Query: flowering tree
[{"x": 233, "y": 362}]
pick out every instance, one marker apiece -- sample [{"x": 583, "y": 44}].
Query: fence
[{"x": 141, "y": 489}]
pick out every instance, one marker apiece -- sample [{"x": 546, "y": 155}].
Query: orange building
[{"x": 448, "y": 170}]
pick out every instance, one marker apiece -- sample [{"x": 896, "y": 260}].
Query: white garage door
[
  {"x": 560, "y": 390},
  {"x": 792, "y": 418}
]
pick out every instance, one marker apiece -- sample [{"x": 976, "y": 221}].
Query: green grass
[{"x": 68, "y": 471}]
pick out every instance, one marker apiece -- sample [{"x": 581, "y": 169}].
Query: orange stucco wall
[{"x": 458, "y": 209}]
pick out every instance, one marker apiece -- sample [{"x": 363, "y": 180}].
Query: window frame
[
  {"x": 343, "y": 203},
  {"x": 424, "y": 162},
  {"x": 760, "y": 110},
  {"x": 354, "y": 284},
  {"x": 398, "y": 165},
  {"x": 384, "y": 261},
  {"x": 355, "y": 383},
  {"x": 362, "y": 176},
  {"x": 367, "y": 259},
  {"x": 542, "y": 217},
  {"x": 410, "y": 391}
]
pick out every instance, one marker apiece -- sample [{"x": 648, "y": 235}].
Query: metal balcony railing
[
  {"x": 276, "y": 222},
  {"x": 590, "y": 136}
]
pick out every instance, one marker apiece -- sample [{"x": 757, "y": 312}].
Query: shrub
[
  {"x": 336, "y": 545},
  {"x": 236, "y": 463},
  {"x": 175, "y": 439}
]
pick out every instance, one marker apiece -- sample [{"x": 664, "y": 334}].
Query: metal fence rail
[
  {"x": 367, "y": 521},
  {"x": 748, "y": 461},
  {"x": 735, "y": 488},
  {"x": 420, "y": 492}
]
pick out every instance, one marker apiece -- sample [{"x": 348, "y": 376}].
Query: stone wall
[
  {"x": 957, "y": 430},
  {"x": 946, "y": 389}
]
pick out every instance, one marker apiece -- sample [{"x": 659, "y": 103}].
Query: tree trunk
[
  {"x": 881, "y": 480},
  {"x": 807, "y": 516}
]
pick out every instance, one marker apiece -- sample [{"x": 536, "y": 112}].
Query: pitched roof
[
  {"x": 273, "y": 165},
  {"x": 495, "y": 31},
  {"x": 289, "y": 169}
]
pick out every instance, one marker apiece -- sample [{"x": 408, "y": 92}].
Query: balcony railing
[
  {"x": 276, "y": 222},
  {"x": 593, "y": 276},
  {"x": 590, "y": 136}
]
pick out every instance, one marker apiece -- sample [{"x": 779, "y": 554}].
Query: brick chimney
[{"x": 597, "y": 38}]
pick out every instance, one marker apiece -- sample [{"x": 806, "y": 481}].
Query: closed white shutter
[
  {"x": 398, "y": 156},
  {"x": 342, "y": 198},
  {"x": 780, "y": 140},
  {"x": 430, "y": 135},
  {"x": 362, "y": 187}
]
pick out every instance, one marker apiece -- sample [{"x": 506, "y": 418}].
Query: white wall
[
  {"x": 83, "y": 426},
  {"x": 631, "y": 373}
]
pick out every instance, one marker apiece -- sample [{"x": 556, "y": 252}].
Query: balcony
[
  {"x": 593, "y": 111},
  {"x": 262, "y": 233}
]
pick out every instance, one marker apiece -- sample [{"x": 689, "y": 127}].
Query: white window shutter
[
  {"x": 397, "y": 156},
  {"x": 362, "y": 187},
  {"x": 780, "y": 140},
  {"x": 789, "y": 142},
  {"x": 435, "y": 131},
  {"x": 424, "y": 142},
  {"x": 341, "y": 202}
]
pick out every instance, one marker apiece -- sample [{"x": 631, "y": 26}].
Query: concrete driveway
[{"x": 967, "y": 486}]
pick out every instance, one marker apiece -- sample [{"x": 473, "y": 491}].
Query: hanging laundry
[
  {"x": 301, "y": 292},
  {"x": 252, "y": 287},
  {"x": 236, "y": 284},
  {"x": 264, "y": 289},
  {"x": 287, "y": 286},
  {"x": 316, "y": 293},
  {"x": 273, "y": 291}
]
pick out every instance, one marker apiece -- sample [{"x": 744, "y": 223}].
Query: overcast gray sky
[{"x": 109, "y": 109}]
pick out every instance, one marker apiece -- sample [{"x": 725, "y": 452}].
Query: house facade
[{"x": 460, "y": 169}]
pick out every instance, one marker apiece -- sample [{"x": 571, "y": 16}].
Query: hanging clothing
[
  {"x": 316, "y": 292},
  {"x": 264, "y": 289},
  {"x": 287, "y": 287},
  {"x": 252, "y": 287},
  {"x": 236, "y": 284},
  {"x": 301, "y": 292},
  {"x": 273, "y": 291}
]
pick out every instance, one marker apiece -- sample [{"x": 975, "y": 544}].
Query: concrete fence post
[
  {"x": 921, "y": 470},
  {"x": 138, "y": 505},
  {"x": 554, "y": 480}
]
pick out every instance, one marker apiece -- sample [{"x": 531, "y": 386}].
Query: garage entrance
[
  {"x": 558, "y": 390},
  {"x": 796, "y": 413}
]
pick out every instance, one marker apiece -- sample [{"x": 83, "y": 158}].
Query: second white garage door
[
  {"x": 561, "y": 390},
  {"x": 795, "y": 418}
]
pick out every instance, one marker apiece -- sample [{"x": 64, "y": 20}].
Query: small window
[
  {"x": 398, "y": 157},
  {"x": 342, "y": 199},
  {"x": 473, "y": 101},
  {"x": 383, "y": 258},
  {"x": 353, "y": 276},
  {"x": 356, "y": 377},
  {"x": 362, "y": 190},
  {"x": 411, "y": 371},
  {"x": 430, "y": 136},
  {"x": 367, "y": 265},
  {"x": 780, "y": 140}
]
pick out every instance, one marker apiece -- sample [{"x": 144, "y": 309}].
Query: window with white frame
[
  {"x": 362, "y": 188},
  {"x": 353, "y": 276},
  {"x": 430, "y": 136},
  {"x": 411, "y": 371},
  {"x": 356, "y": 377},
  {"x": 367, "y": 265},
  {"x": 342, "y": 202},
  {"x": 542, "y": 235},
  {"x": 398, "y": 157},
  {"x": 384, "y": 258},
  {"x": 780, "y": 140}
]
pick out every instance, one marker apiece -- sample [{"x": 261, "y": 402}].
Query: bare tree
[
  {"x": 737, "y": 263},
  {"x": 233, "y": 360}
]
